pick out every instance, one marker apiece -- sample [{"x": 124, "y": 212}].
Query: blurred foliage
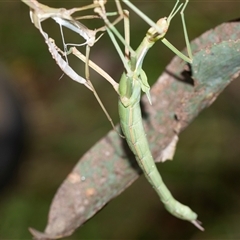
[{"x": 64, "y": 121}]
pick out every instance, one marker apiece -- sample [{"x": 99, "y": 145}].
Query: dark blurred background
[{"x": 47, "y": 124}]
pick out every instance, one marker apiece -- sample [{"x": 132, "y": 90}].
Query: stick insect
[
  {"x": 40, "y": 12},
  {"x": 132, "y": 82}
]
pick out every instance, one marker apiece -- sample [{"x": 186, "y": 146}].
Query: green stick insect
[{"x": 132, "y": 82}]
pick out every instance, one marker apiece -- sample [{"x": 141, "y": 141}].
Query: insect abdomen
[{"x": 132, "y": 127}]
